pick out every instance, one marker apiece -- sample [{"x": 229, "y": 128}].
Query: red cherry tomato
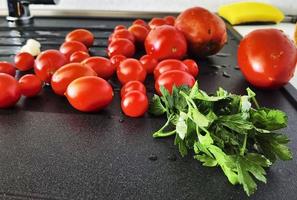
[
  {"x": 30, "y": 85},
  {"x": 116, "y": 60},
  {"x": 7, "y": 68},
  {"x": 24, "y": 61},
  {"x": 119, "y": 27},
  {"x": 149, "y": 63},
  {"x": 81, "y": 35},
  {"x": 131, "y": 70},
  {"x": 170, "y": 20},
  {"x": 121, "y": 47},
  {"x": 133, "y": 85},
  {"x": 166, "y": 42},
  {"x": 142, "y": 23},
  {"x": 47, "y": 63},
  {"x": 10, "y": 91},
  {"x": 79, "y": 56},
  {"x": 192, "y": 66},
  {"x": 174, "y": 77},
  {"x": 102, "y": 66},
  {"x": 140, "y": 32},
  {"x": 110, "y": 38},
  {"x": 134, "y": 104},
  {"x": 168, "y": 65},
  {"x": 267, "y": 58},
  {"x": 89, "y": 93},
  {"x": 123, "y": 34},
  {"x": 68, "y": 73},
  {"x": 68, "y": 48},
  {"x": 155, "y": 22}
]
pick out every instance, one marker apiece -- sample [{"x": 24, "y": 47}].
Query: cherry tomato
[
  {"x": 7, "y": 68},
  {"x": 110, "y": 38},
  {"x": 121, "y": 47},
  {"x": 68, "y": 48},
  {"x": 30, "y": 85},
  {"x": 142, "y": 23},
  {"x": 166, "y": 42},
  {"x": 81, "y": 35},
  {"x": 116, "y": 60},
  {"x": 123, "y": 34},
  {"x": 170, "y": 20},
  {"x": 10, "y": 91},
  {"x": 89, "y": 93},
  {"x": 119, "y": 27},
  {"x": 267, "y": 58},
  {"x": 68, "y": 73},
  {"x": 149, "y": 63},
  {"x": 133, "y": 85},
  {"x": 79, "y": 56},
  {"x": 131, "y": 70},
  {"x": 134, "y": 104},
  {"x": 155, "y": 22},
  {"x": 192, "y": 67},
  {"x": 47, "y": 63},
  {"x": 168, "y": 65},
  {"x": 102, "y": 66},
  {"x": 24, "y": 61},
  {"x": 174, "y": 77},
  {"x": 140, "y": 32}
]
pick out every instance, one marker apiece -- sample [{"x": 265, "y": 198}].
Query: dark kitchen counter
[{"x": 48, "y": 150}]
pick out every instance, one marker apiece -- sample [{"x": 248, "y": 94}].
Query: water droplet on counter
[
  {"x": 153, "y": 157},
  {"x": 223, "y": 54},
  {"x": 226, "y": 74},
  {"x": 121, "y": 120},
  {"x": 172, "y": 157},
  {"x": 217, "y": 67},
  {"x": 237, "y": 68}
]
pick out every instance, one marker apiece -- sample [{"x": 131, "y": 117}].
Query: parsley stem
[
  {"x": 242, "y": 150},
  {"x": 162, "y": 134},
  {"x": 255, "y": 102}
]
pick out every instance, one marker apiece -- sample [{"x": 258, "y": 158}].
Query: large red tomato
[
  {"x": 165, "y": 42},
  {"x": 81, "y": 35},
  {"x": 168, "y": 65},
  {"x": 30, "y": 85},
  {"x": 10, "y": 91},
  {"x": 7, "y": 68},
  {"x": 121, "y": 47},
  {"x": 102, "y": 66},
  {"x": 47, "y": 63},
  {"x": 134, "y": 104},
  {"x": 68, "y": 73},
  {"x": 267, "y": 58},
  {"x": 116, "y": 60},
  {"x": 131, "y": 70},
  {"x": 24, "y": 61},
  {"x": 205, "y": 32},
  {"x": 68, "y": 48},
  {"x": 89, "y": 93}
]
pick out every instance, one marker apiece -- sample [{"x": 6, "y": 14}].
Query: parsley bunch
[{"x": 224, "y": 130}]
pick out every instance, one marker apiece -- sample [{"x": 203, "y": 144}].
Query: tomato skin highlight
[
  {"x": 174, "y": 77},
  {"x": 139, "y": 32},
  {"x": 123, "y": 34},
  {"x": 7, "y": 68},
  {"x": 133, "y": 85},
  {"x": 10, "y": 91},
  {"x": 134, "y": 104},
  {"x": 68, "y": 73},
  {"x": 30, "y": 85},
  {"x": 192, "y": 67},
  {"x": 81, "y": 35},
  {"x": 131, "y": 70},
  {"x": 149, "y": 63},
  {"x": 267, "y": 58},
  {"x": 68, "y": 48},
  {"x": 116, "y": 60},
  {"x": 102, "y": 66},
  {"x": 121, "y": 47},
  {"x": 24, "y": 61},
  {"x": 168, "y": 65},
  {"x": 79, "y": 56},
  {"x": 89, "y": 93},
  {"x": 47, "y": 62}
]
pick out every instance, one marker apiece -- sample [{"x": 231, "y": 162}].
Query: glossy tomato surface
[
  {"x": 89, "y": 93},
  {"x": 174, "y": 77},
  {"x": 47, "y": 63},
  {"x": 68, "y": 48},
  {"x": 155, "y": 22},
  {"x": 140, "y": 32},
  {"x": 10, "y": 91},
  {"x": 267, "y": 58},
  {"x": 123, "y": 34},
  {"x": 102, "y": 66},
  {"x": 24, "y": 61},
  {"x": 141, "y": 22},
  {"x": 170, "y": 20},
  {"x": 192, "y": 67},
  {"x": 119, "y": 27},
  {"x": 168, "y": 65},
  {"x": 68, "y": 73},
  {"x": 7, "y": 68},
  {"x": 121, "y": 47},
  {"x": 131, "y": 70},
  {"x": 133, "y": 85},
  {"x": 30, "y": 85},
  {"x": 81, "y": 35},
  {"x": 149, "y": 63},
  {"x": 79, "y": 56},
  {"x": 134, "y": 103},
  {"x": 166, "y": 42},
  {"x": 116, "y": 60}
]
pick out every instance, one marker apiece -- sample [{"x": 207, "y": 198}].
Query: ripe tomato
[
  {"x": 110, "y": 38},
  {"x": 174, "y": 77},
  {"x": 134, "y": 104},
  {"x": 155, "y": 22},
  {"x": 123, "y": 34},
  {"x": 140, "y": 32},
  {"x": 166, "y": 42},
  {"x": 68, "y": 48},
  {"x": 68, "y": 73},
  {"x": 205, "y": 32},
  {"x": 133, "y": 85},
  {"x": 79, "y": 56},
  {"x": 131, "y": 70},
  {"x": 168, "y": 65},
  {"x": 47, "y": 63},
  {"x": 10, "y": 91},
  {"x": 267, "y": 58},
  {"x": 121, "y": 47},
  {"x": 102, "y": 66},
  {"x": 149, "y": 63},
  {"x": 81, "y": 35},
  {"x": 142, "y": 23},
  {"x": 89, "y": 93},
  {"x": 119, "y": 27},
  {"x": 170, "y": 20},
  {"x": 30, "y": 85},
  {"x": 116, "y": 60},
  {"x": 192, "y": 67},
  {"x": 24, "y": 61},
  {"x": 7, "y": 68}
]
